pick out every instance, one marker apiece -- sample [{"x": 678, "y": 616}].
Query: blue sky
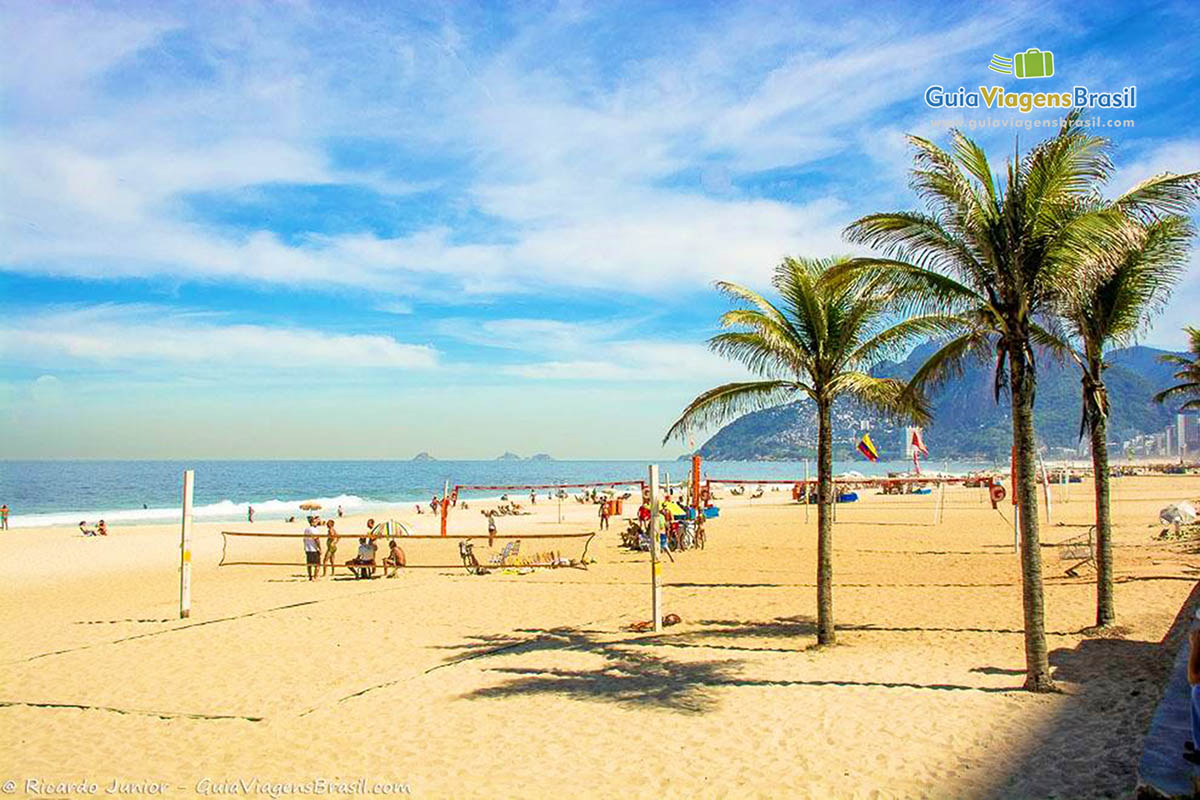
[{"x": 363, "y": 230}]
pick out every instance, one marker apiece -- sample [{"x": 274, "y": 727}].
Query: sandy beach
[{"x": 445, "y": 684}]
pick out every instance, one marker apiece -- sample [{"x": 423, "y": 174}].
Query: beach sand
[{"x": 529, "y": 685}]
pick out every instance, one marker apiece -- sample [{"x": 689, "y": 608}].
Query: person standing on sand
[
  {"x": 644, "y": 516},
  {"x": 249, "y": 513},
  {"x": 339, "y": 512},
  {"x": 330, "y": 550},
  {"x": 4, "y": 517},
  {"x": 532, "y": 497},
  {"x": 312, "y": 549},
  {"x": 603, "y": 515},
  {"x": 491, "y": 528}
]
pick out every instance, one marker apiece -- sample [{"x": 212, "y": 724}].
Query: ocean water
[{"x": 130, "y": 492}]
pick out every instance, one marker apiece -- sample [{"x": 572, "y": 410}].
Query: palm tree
[
  {"x": 1189, "y": 373},
  {"x": 818, "y": 342},
  {"x": 995, "y": 262},
  {"x": 1136, "y": 282}
]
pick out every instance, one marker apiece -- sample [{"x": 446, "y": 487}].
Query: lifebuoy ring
[{"x": 996, "y": 493}]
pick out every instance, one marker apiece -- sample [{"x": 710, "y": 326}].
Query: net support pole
[
  {"x": 185, "y": 548},
  {"x": 445, "y": 505},
  {"x": 1045, "y": 486},
  {"x": 655, "y": 566}
]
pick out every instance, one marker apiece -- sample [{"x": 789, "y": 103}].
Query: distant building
[{"x": 1187, "y": 434}]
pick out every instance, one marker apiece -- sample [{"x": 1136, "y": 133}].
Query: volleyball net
[
  {"x": 350, "y": 553},
  {"x": 525, "y": 488}
]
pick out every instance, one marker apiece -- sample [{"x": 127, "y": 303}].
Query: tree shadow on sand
[
  {"x": 632, "y": 674},
  {"x": 1093, "y": 738}
]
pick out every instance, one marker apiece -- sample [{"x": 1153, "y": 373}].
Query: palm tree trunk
[
  {"x": 825, "y": 631},
  {"x": 1105, "y": 613},
  {"x": 1037, "y": 664}
]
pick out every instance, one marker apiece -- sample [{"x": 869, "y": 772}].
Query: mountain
[
  {"x": 541, "y": 457},
  {"x": 423, "y": 456},
  {"x": 967, "y": 420},
  {"x": 508, "y": 456}
]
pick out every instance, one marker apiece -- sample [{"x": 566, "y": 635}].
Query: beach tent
[{"x": 673, "y": 508}]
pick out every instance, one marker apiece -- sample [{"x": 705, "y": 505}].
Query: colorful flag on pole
[
  {"x": 916, "y": 448},
  {"x": 867, "y": 448},
  {"x": 917, "y": 443}
]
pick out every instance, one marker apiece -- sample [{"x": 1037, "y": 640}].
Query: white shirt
[{"x": 311, "y": 542}]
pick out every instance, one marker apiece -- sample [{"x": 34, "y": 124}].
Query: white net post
[
  {"x": 655, "y": 566},
  {"x": 185, "y": 549}
]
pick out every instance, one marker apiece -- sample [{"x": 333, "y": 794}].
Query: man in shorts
[{"x": 312, "y": 549}]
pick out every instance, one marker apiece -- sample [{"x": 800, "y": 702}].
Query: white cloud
[
  {"x": 572, "y": 165},
  {"x": 121, "y": 336}
]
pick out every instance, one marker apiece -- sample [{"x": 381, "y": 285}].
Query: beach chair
[
  {"x": 510, "y": 552},
  {"x": 1079, "y": 549}
]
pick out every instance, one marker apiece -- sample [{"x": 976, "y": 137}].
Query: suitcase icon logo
[{"x": 1033, "y": 63}]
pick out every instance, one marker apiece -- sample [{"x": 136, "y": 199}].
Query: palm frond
[
  {"x": 1192, "y": 387},
  {"x": 1161, "y": 194},
  {"x": 949, "y": 361},
  {"x": 886, "y": 395},
  {"x": 891, "y": 342},
  {"x": 732, "y": 399}
]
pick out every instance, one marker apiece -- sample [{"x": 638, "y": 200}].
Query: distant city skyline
[{"x": 370, "y": 230}]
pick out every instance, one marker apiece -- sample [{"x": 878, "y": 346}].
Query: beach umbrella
[{"x": 310, "y": 506}]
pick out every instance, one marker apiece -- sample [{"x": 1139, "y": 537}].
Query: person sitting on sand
[
  {"x": 101, "y": 528},
  {"x": 370, "y": 526},
  {"x": 85, "y": 530},
  {"x": 312, "y": 549},
  {"x": 363, "y": 564},
  {"x": 394, "y": 559},
  {"x": 331, "y": 542}
]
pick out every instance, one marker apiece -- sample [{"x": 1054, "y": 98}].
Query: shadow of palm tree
[{"x": 626, "y": 678}]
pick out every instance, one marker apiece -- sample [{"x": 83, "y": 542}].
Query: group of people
[
  {"x": 676, "y": 534},
  {"x": 100, "y": 530},
  {"x": 364, "y": 563}
]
